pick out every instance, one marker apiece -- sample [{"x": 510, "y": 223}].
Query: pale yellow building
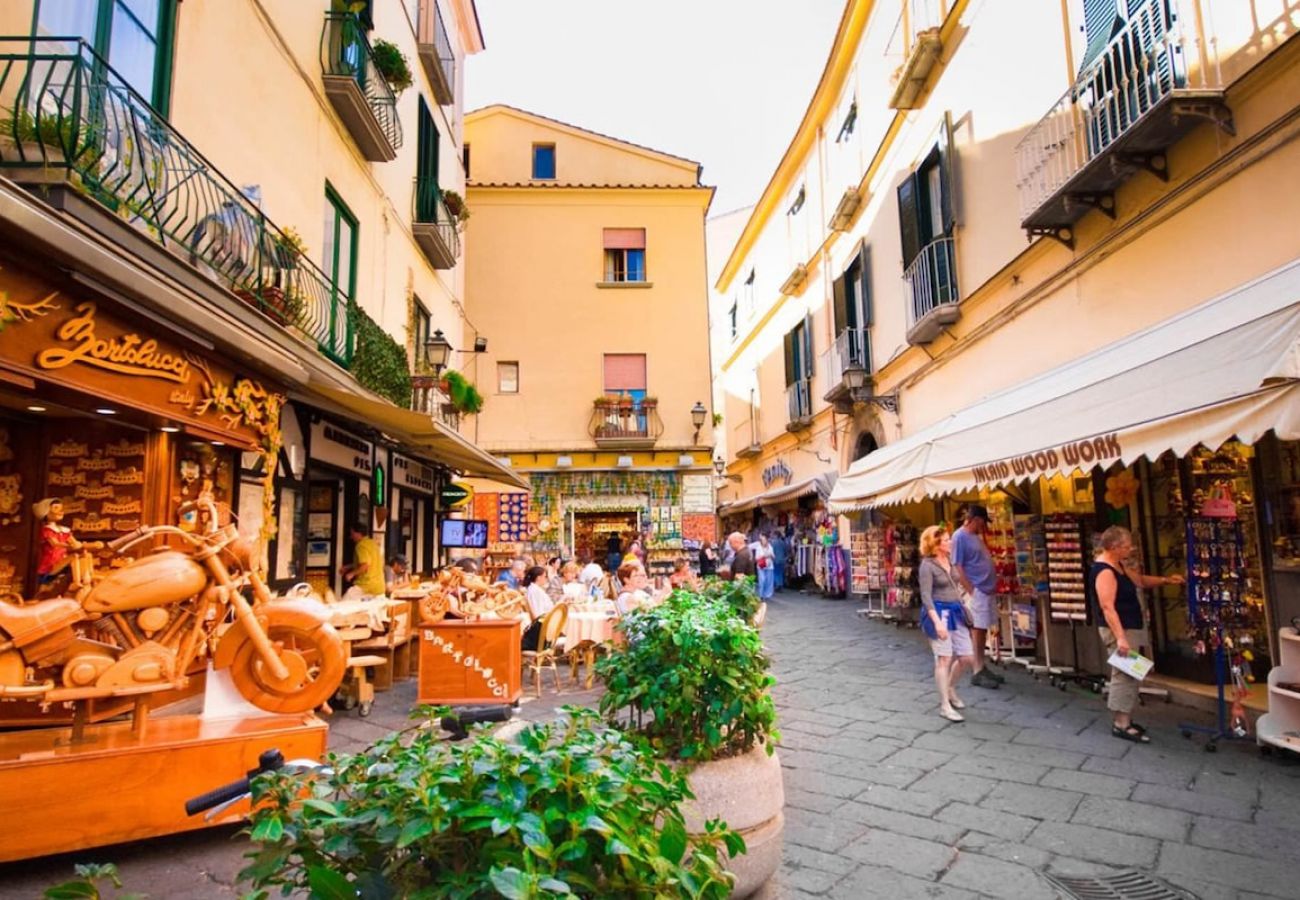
[
  {"x": 586, "y": 265},
  {"x": 273, "y": 182},
  {"x": 981, "y": 194}
]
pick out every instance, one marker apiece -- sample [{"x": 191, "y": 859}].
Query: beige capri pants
[{"x": 1123, "y": 695}]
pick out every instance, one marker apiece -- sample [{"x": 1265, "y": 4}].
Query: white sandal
[
  {"x": 955, "y": 702},
  {"x": 951, "y": 714}
]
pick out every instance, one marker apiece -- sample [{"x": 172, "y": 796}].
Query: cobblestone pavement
[{"x": 886, "y": 799}]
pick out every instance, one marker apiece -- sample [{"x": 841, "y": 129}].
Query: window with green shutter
[
  {"x": 427, "y": 189},
  {"x": 135, "y": 36}
]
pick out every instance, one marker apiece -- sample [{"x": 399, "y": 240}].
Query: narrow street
[{"x": 886, "y": 799}]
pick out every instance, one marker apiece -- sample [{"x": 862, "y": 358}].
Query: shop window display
[{"x": 1178, "y": 490}]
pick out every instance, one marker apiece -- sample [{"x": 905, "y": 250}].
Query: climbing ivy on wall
[{"x": 379, "y": 362}]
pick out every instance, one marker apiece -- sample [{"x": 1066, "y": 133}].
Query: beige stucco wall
[
  {"x": 534, "y": 265},
  {"x": 501, "y": 148},
  {"x": 1219, "y": 221},
  {"x": 247, "y": 92}
]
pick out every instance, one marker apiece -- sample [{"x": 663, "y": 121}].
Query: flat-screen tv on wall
[{"x": 470, "y": 533}]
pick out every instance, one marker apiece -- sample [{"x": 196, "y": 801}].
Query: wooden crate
[
  {"x": 115, "y": 787},
  {"x": 470, "y": 662}
]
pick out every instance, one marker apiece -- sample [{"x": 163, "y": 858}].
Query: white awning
[
  {"x": 420, "y": 431},
  {"x": 1227, "y": 368},
  {"x": 818, "y": 484}
]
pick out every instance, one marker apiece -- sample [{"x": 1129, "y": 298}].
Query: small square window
[
  {"x": 544, "y": 161},
  {"x": 624, "y": 265},
  {"x": 507, "y": 378}
]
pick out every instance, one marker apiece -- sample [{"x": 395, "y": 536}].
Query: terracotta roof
[{"x": 608, "y": 137}]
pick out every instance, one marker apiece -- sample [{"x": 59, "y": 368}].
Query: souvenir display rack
[
  {"x": 1217, "y": 582},
  {"x": 1001, "y": 543},
  {"x": 1031, "y": 573},
  {"x": 902, "y": 559},
  {"x": 1067, "y": 593},
  {"x": 868, "y": 552}
]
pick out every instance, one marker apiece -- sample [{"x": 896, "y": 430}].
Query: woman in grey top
[{"x": 943, "y": 619}]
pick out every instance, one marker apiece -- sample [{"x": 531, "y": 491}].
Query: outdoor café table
[{"x": 584, "y": 631}]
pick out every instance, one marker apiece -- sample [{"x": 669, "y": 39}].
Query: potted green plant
[
  {"x": 456, "y": 207},
  {"x": 571, "y": 808},
  {"x": 392, "y": 65},
  {"x": 462, "y": 393},
  {"x": 693, "y": 679}
]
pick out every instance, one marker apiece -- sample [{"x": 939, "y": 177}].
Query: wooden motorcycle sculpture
[
  {"x": 459, "y": 593},
  {"x": 139, "y": 628}
]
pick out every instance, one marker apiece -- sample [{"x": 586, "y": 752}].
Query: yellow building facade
[
  {"x": 276, "y": 180},
  {"x": 979, "y": 195},
  {"x": 586, "y": 264}
]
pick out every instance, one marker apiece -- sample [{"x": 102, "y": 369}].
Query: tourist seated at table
[
  {"x": 682, "y": 576},
  {"x": 467, "y": 564},
  {"x": 636, "y": 589},
  {"x": 514, "y": 575},
  {"x": 553, "y": 583},
  {"x": 397, "y": 574},
  {"x": 591, "y": 573},
  {"x": 539, "y": 603},
  {"x": 366, "y": 572},
  {"x": 571, "y": 587}
]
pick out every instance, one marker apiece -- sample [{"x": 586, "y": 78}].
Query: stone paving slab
[{"x": 886, "y": 799}]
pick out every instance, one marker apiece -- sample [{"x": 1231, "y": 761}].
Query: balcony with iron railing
[
  {"x": 1153, "y": 83},
  {"x": 624, "y": 423},
  {"x": 850, "y": 351},
  {"x": 67, "y": 117},
  {"x": 435, "y": 228},
  {"x": 435, "y": 52},
  {"x": 359, "y": 93},
  {"x": 798, "y": 403},
  {"x": 428, "y": 397},
  {"x": 930, "y": 288}
]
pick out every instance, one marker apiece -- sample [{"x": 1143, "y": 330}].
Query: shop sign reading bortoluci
[{"x": 128, "y": 354}]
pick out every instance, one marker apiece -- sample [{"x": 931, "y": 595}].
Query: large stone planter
[{"x": 748, "y": 793}]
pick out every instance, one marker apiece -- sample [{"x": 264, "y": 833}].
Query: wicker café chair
[{"x": 549, "y": 638}]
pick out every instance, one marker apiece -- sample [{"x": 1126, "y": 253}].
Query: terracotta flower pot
[{"x": 748, "y": 793}]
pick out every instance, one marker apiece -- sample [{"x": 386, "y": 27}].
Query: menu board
[{"x": 697, "y": 494}]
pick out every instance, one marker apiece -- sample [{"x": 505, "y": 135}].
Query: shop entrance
[
  {"x": 331, "y": 506},
  {"x": 594, "y": 533}
]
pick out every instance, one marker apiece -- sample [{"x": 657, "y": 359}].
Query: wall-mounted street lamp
[
  {"x": 855, "y": 379},
  {"x": 720, "y": 467},
  {"x": 698, "y": 415},
  {"x": 437, "y": 349}
]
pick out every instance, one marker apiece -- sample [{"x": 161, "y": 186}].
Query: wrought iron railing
[
  {"x": 428, "y": 397},
  {"x": 850, "y": 350},
  {"x": 1147, "y": 61},
  {"x": 931, "y": 280},
  {"x": 798, "y": 399},
  {"x": 62, "y": 107},
  {"x": 431, "y": 209},
  {"x": 625, "y": 419},
  {"x": 432, "y": 32},
  {"x": 345, "y": 50}
]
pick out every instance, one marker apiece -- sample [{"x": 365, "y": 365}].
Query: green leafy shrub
[
  {"x": 573, "y": 809},
  {"x": 378, "y": 361},
  {"x": 86, "y": 886},
  {"x": 693, "y": 679},
  {"x": 461, "y": 391},
  {"x": 740, "y": 594},
  {"x": 55, "y": 132},
  {"x": 392, "y": 64}
]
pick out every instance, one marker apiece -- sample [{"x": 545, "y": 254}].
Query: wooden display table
[
  {"x": 115, "y": 787},
  {"x": 464, "y": 662}
]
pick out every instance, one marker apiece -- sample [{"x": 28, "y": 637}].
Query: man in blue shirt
[
  {"x": 513, "y": 575},
  {"x": 973, "y": 564}
]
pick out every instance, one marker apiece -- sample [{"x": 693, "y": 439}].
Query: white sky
[{"x": 724, "y": 82}]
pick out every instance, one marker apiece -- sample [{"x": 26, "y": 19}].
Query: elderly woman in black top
[{"x": 1115, "y": 592}]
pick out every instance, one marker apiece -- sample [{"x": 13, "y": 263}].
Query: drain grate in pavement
[{"x": 1124, "y": 886}]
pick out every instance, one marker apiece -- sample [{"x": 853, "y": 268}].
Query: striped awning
[{"x": 818, "y": 484}]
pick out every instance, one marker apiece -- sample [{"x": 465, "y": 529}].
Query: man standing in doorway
[
  {"x": 973, "y": 564},
  {"x": 367, "y": 569}
]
